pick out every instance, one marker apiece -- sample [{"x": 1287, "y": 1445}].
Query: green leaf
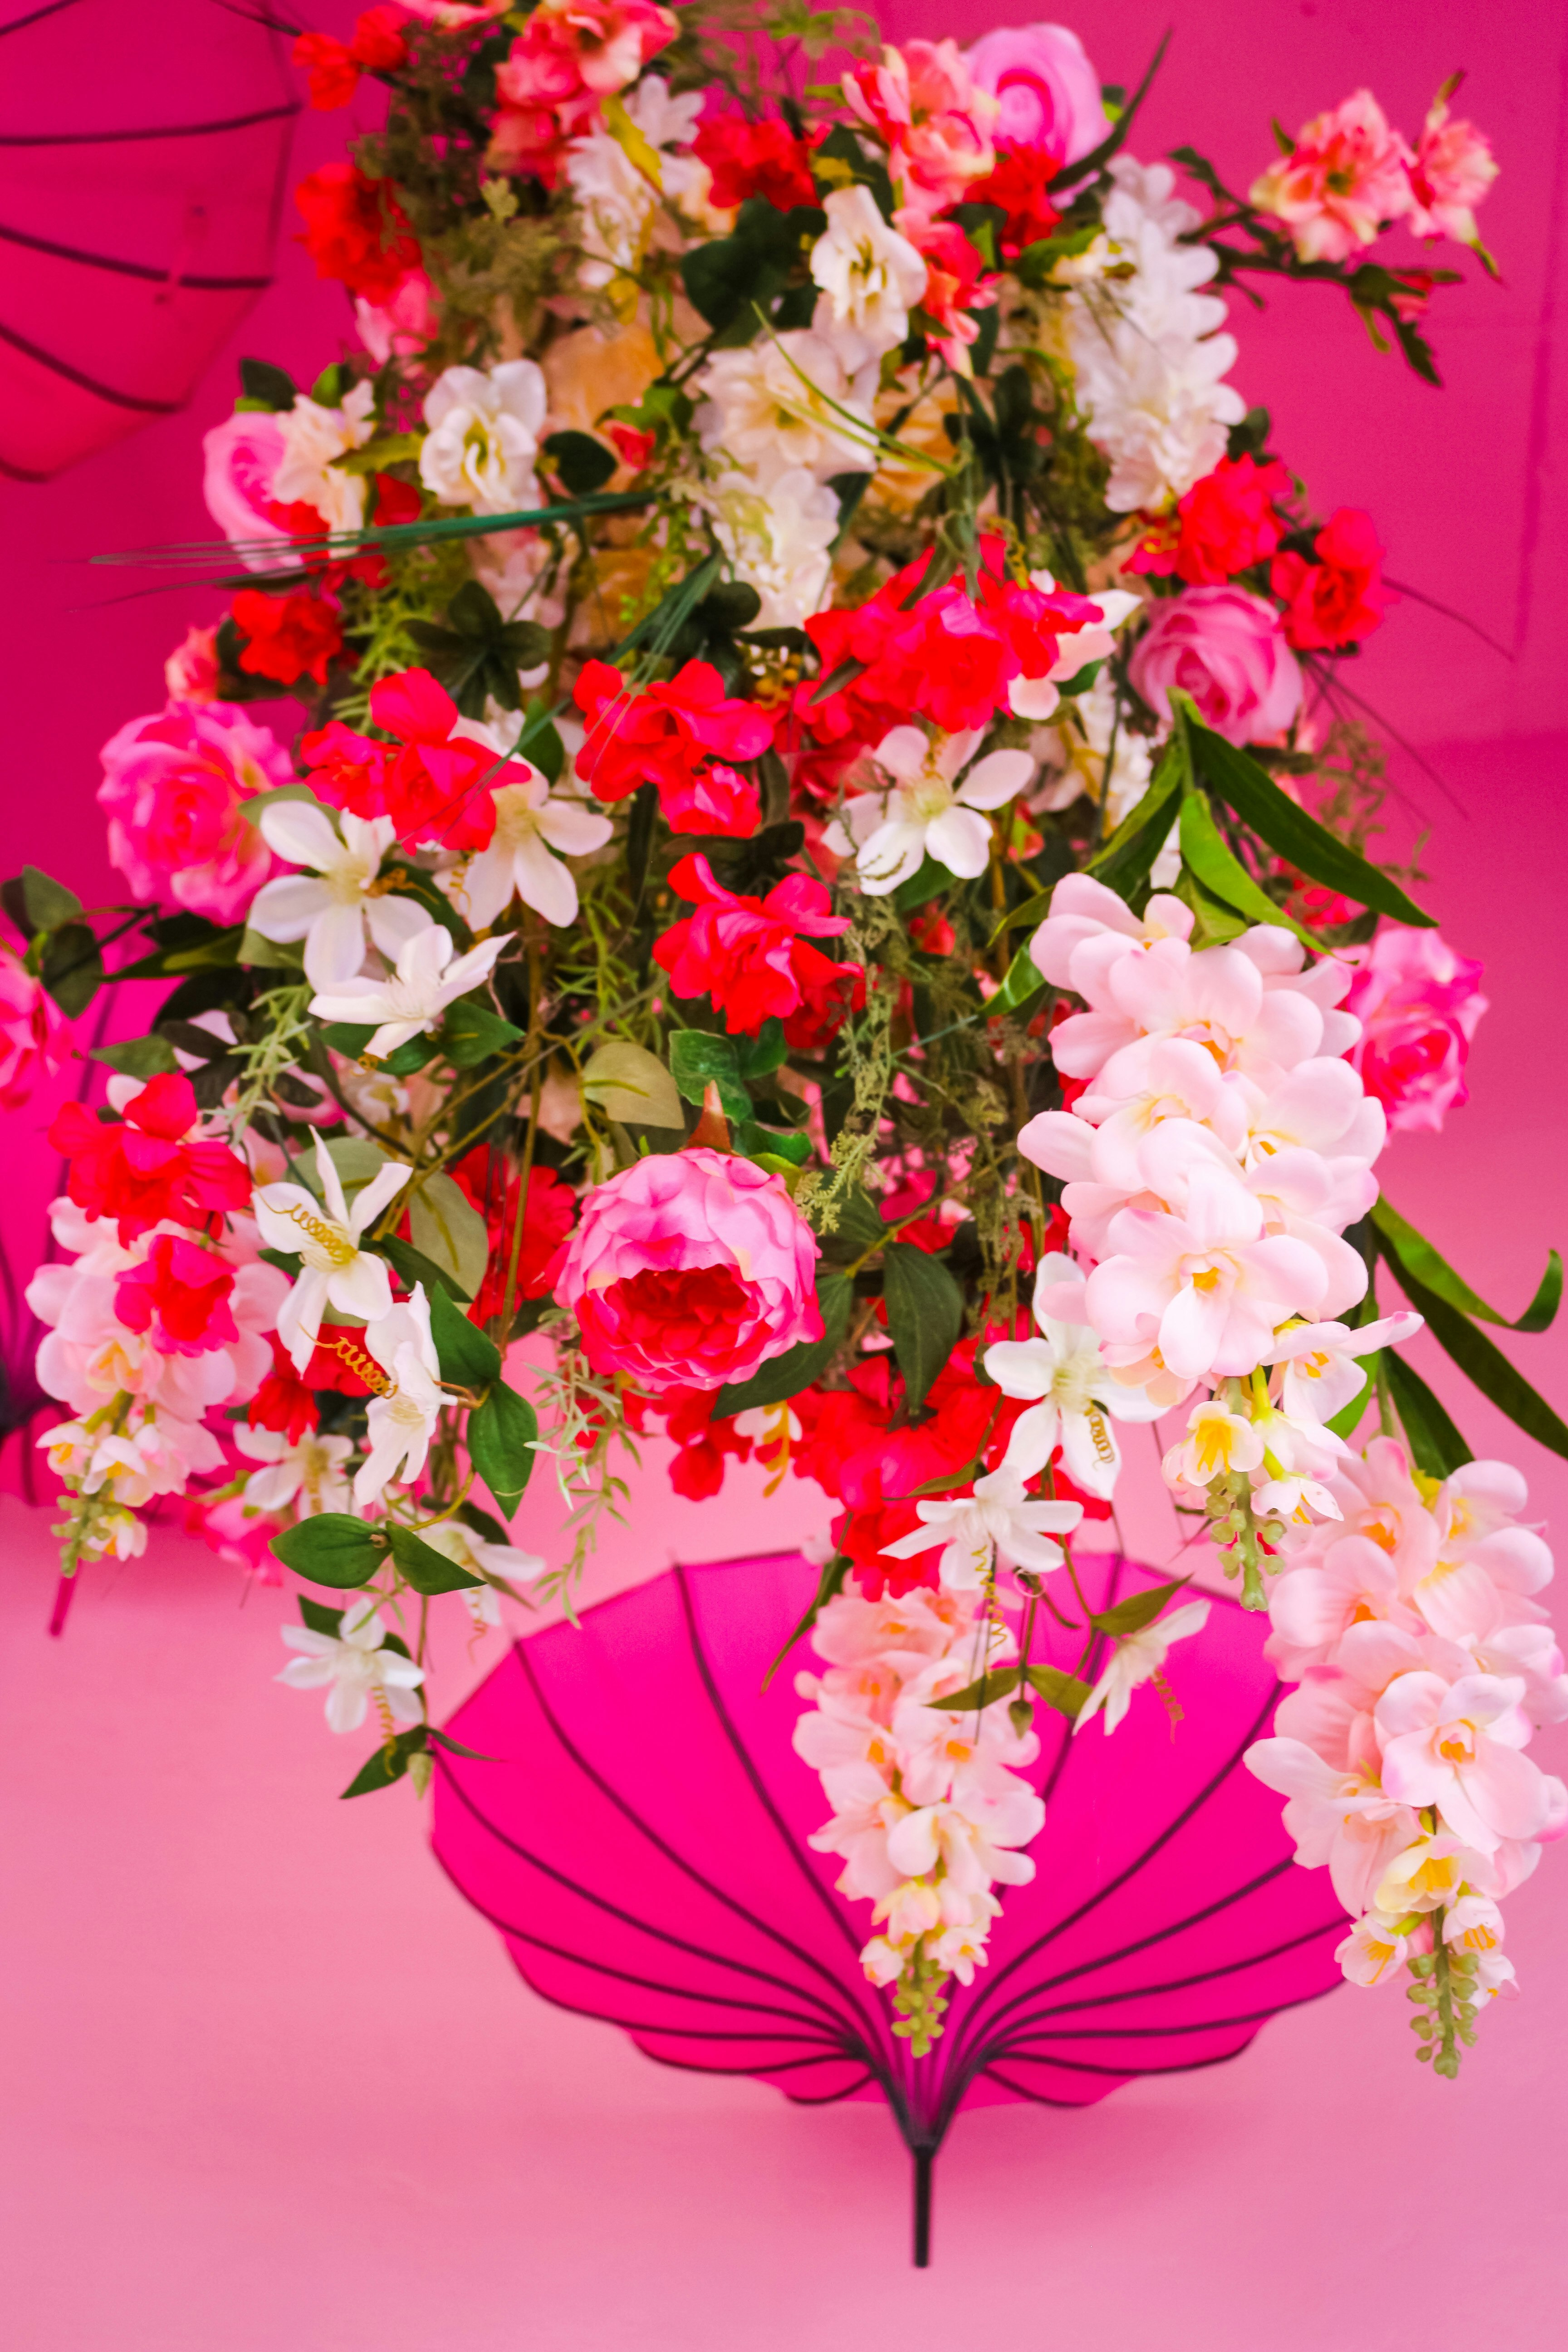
[
  {"x": 1032, "y": 912},
  {"x": 49, "y": 903},
  {"x": 582, "y": 463},
  {"x": 264, "y": 386},
  {"x": 1484, "y": 1363},
  {"x": 332, "y": 1548},
  {"x": 332, "y": 386},
  {"x": 1064, "y": 1692},
  {"x": 425, "y": 1568},
  {"x": 1345, "y": 1423},
  {"x": 388, "y": 1764},
  {"x": 1216, "y": 923},
  {"x": 140, "y": 1057},
  {"x": 770, "y": 1147},
  {"x": 796, "y": 1368},
  {"x": 698, "y": 1061},
  {"x": 1437, "y": 1444},
  {"x": 471, "y": 1033},
  {"x": 626, "y": 1082},
  {"x": 464, "y": 1353},
  {"x": 928, "y": 881},
  {"x": 318, "y": 1616},
  {"x": 414, "y": 1266},
  {"x": 1139, "y": 1608},
  {"x": 71, "y": 968},
  {"x": 500, "y": 1436},
  {"x": 1407, "y": 1250},
  {"x": 444, "y": 1739},
  {"x": 925, "y": 1315},
  {"x": 1123, "y": 862},
  {"x": 1208, "y": 856},
  {"x": 985, "y": 1692},
  {"x": 444, "y": 1223},
  {"x": 348, "y": 1038},
  {"x": 829, "y": 1584},
  {"x": 1251, "y": 793},
  {"x": 1024, "y": 982}
]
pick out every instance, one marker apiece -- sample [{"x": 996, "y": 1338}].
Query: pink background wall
[{"x": 268, "y": 2085}]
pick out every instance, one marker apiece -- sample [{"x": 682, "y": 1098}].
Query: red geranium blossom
[
  {"x": 356, "y": 231},
  {"x": 334, "y": 67},
  {"x": 439, "y": 787},
  {"x": 283, "y": 1402},
  {"x": 147, "y": 1168},
  {"x": 703, "y": 1442},
  {"x": 1225, "y": 523},
  {"x": 1018, "y": 185},
  {"x": 663, "y": 734},
  {"x": 714, "y": 799},
  {"x": 750, "y": 956},
  {"x": 1339, "y": 599},
  {"x": 181, "y": 1294},
  {"x": 754, "y": 159},
  {"x": 492, "y": 1184},
  {"x": 290, "y": 637}
]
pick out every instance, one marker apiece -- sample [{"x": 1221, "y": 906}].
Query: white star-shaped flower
[
  {"x": 924, "y": 812},
  {"x": 1070, "y": 1386},
  {"x": 410, "y": 1003},
  {"x": 332, "y": 906},
  {"x": 325, "y": 1233},
  {"x": 996, "y": 1517}
]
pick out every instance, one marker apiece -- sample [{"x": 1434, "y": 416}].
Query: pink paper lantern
[
  {"x": 639, "y": 1839},
  {"x": 143, "y": 164}
]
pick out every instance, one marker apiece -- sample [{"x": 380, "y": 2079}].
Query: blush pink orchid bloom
[
  {"x": 1344, "y": 1820},
  {"x": 1318, "y": 1365},
  {"x": 1083, "y": 910},
  {"x": 1458, "y": 1745}
]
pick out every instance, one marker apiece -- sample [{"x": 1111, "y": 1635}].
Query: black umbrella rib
[
  {"x": 83, "y": 382},
  {"x": 786, "y": 2066},
  {"x": 1175, "y": 1984},
  {"x": 50, "y": 8},
  {"x": 142, "y": 270},
  {"x": 165, "y": 130}
]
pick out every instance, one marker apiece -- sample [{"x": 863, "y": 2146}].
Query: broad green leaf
[
  {"x": 829, "y": 1584},
  {"x": 1251, "y": 793},
  {"x": 796, "y": 1368},
  {"x": 628, "y": 1083},
  {"x": 1217, "y": 922},
  {"x": 1408, "y": 1251},
  {"x": 348, "y": 1038},
  {"x": 413, "y": 1267},
  {"x": 1123, "y": 863},
  {"x": 139, "y": 1058},
  {"x": 1139, "y": 1608},
  {"x": 425, "y": 1568},
  {"x": 985, "y": 1692},
  {"x": 71, "y": 968},
  {"x": 1032, "y": 912},
  {"x": 265, "y": 386},
  {"x": 1066, "y": 1693},
  {"x": 388, "y": 1764},
  {"x": 1484, "y": 1363},
  {"x": 444, "y": 1223},
  {"x": 318, "y": 1616},
  {"x": 464, "y": 1353},
  {"x": 49, "y": 903},
  {"x": 1348, "y": 1418},
  {"x": 698, "y": 1061},
  {"x": 925, "y": 1316},
  {"x": 471, "y": 1033},
  {"x": 1435, "y": 1444},
  {"x": 332, "y": 1548},
  {"x": 500, "y": 1436},
  {"x": 444, "y": 1739},
  {"x": 581, "y": 462},
  {"x": 1208, "y": 856},
  {"x": 1024, "y": 981}
]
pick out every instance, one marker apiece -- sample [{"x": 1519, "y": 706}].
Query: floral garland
[{"x": 821, "y": 866}]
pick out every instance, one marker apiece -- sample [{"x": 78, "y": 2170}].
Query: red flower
[
  {"x": 334, "y": 67},
  {"x": 1225, "y": 523},
  {"x": 348, "y": 770},
  {"x": 1339, "y": 599},
  {"x": 663, "y": 735},
  {"x": 144, "y": 1169},
  {"x": 750, "y": 956},
  {"x": 714, "y": 799},
  {"x": 754, "y": 159},
  {"x": 180, "y": 1292},
  {"x": 1018, "y": 185},
  {"x": 284, "y": 1400},
  {"x": 698, "y": 1470},
  {"x": 355, "y": 230},
  {"x": 636, "y": 446},
  {"x": 438, "y": 787},
  {"x": 289, "y": 636},
  {"x": 830, "y": 993},
  {"x": 493, "y": 1185}
]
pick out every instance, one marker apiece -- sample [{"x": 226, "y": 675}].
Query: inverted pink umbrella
[
  {"x": 142, "y": 159},
  {"x": 639, "y": 1839}
]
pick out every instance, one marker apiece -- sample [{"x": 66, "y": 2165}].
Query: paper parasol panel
[
  {"x": 143, "y": 162},
  {"x": 640, "y": 1842}
]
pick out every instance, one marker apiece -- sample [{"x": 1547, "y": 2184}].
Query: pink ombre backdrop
[{"x": 270, "y": 2086}]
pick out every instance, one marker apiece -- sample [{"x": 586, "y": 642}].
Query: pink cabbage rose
[
  {"x": 1453, "y": 169},
  {"x": 690, "y": 1268},
  {"x": 174, "y": 787},
  {"x": 1047, "y": 87},
  {"x": 1227, "y": 650},
  {"x": 402, "y": 324},
  {"x": 243, "y": 455},
  {"x": 924, "y": 100},
  {"x": 1346, "y": 179},
  {"x": 1418, "y": 1003},
  {"x": 35, "y": 1035},
  {"x": 191, "y": 671}
]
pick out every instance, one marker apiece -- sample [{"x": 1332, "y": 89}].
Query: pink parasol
[
  {"x": 639, "y": 1838},
  {"x": 142, "y": 156}
]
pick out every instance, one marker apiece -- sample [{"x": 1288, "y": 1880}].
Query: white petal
[
  {"x": 903, "y": 753},
  {"x": 390, "y": 1178},
  {"x": 361, "y": 1287},
  {"x": 393, "y": 921},
  {"x": 961, "y": 840},
  {"x": 302, "y": 832},
  {"x": 1032, "y": 698},
  {"x": 285, "y": 909},
  {"x": 995, "y": 779},
  {"x": 543, "y": 883},
  {"x": 334, "y": 948},
  {"x": 572, "y": 830},
  {"x": 892, "y": 854}
]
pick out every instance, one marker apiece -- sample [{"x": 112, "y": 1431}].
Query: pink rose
[
  {"x": 1049, "y": 91},
  {"x": 1227, "y": 650},
  {"x": 924, "y": 100},
  {"x": 1453, "y": 169},
  {"x": 1418, "y": 1003},
  {"x": 174, "y": 787},
  {"x": 191, "y": 671},
  {"x": 1346, "y": 179},
  {"x": 402, "y": 324},
  {"x": 243, "y": 455},
  {"x": 689, "y": 1269},
  {"x": 35, "y": 1035}
]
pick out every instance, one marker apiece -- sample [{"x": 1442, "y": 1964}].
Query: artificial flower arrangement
[{"x": 820, "y": 865}]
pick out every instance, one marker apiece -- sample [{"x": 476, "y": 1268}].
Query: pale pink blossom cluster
[
  {"x": 1350, "y": 176},
  {"x": 1410, "y": 1622},
  {"x": 927, "y": 1807}
]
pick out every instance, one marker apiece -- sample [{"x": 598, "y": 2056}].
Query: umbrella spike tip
[{"x": 924, "y": 2159}]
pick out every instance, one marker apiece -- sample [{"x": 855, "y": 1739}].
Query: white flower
[
  {"x": 777, "y": 526},
  {"x": 335, "y": 1271},
  {"x": 616, "y": 197},
  {"x": 871, "y": 277},
  {"x": 313, "y": 438},
  {"x": 331, "y": 908},
  {"x": 1073, "y": 1386},
  {"x": 531, "y": 824},
  {"x": 496, "y": 1562},
  {"x": 410, "y": 1003},
  {"x": 1322, "y": 1373},
  {"x": 484, "y": 436},
  {"x": 794, "y": 396},
  {"x": 925, "y": 813},
  {"x": 401, "y": 1423},
  {"x": 995, "y": 1518},
  {"x": 307, "y": 1474},
  {"x": 1135, "y": 1658},
  {"x": 351, "y": 1664}
]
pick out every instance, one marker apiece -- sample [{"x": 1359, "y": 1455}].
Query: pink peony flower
[
  {"x": 1047, "y": 90},
  {"x": 1344, "y": 179},
  {"x": 35, "y": 1035},
  {"x": 1227, "y": 650},
  {"x": 191, "y": 671},
  {"x": 1453, "y": 169},
  {"x": 243, "y": 456},
  {"x": 690, "y": 1268},
  {"x": 936, "y": 121},
  {"x": 1418, "y": 1003},
  {"x": 174, "y": 787},
  {"x": 402, "y": 324}
]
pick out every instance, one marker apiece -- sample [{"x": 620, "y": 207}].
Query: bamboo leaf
[
  {"x": 1405, "y": 1249},
  {"x": 1123, "y": 862},
  {"x": 1435, "y": 1444},
  {"x": 1484, "y": 1363},
  {"x": 1139, "y": 1608},
  {"x": 1209, "y": 857},
  {"x": 985, "y": 1692}
]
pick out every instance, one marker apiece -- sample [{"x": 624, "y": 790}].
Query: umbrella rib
[
  {"x": 144, "y": 269},
  {"x": 1025, "y": 2023},
  {"x": 50, "y": 8},
  {"x": 616, "y": 1911},
  {"x": 661, "y": 1846},
  {"x": 788, "y": 2066},
  {"x": 86, "y": 383},
  {"x": 166, "y": 131}
]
